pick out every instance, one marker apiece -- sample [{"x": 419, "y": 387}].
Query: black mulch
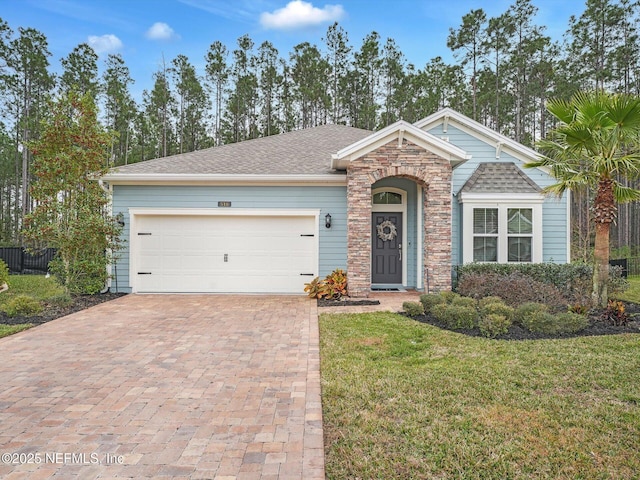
[
  {"x": 516, "y": 332},
  {"x": 345, "y": 302},
  {"x": 51, "y": 312}
]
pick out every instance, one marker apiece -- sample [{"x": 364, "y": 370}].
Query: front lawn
[
  {"x": 6, "y": 330},
  {"x": 631, "y": 294},
  {"x": 39, "y": 287},
  {"x": 403, "y": 399}
]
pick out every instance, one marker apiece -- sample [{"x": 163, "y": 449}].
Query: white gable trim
[
  {"x": 398, "y": 131},
  {"x": 501, "y": 143}
]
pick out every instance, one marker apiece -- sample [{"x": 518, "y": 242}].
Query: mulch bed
[
  {"x": 51, "y": 312},
  {"x": 516, "y": 332},
  {"x": 345, "y": 302}
]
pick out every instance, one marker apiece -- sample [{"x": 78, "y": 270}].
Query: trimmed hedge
[
  {"x": 413, "y": 309},
  {"x": 514, "y": 289},
  {"x": 429, "y": 300},
  {"x": 493, "y": 325},
  {"x": 456, "y": 317},
  {"x": 573, "y": 280}
]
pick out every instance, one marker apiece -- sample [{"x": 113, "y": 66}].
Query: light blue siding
[
  {"x": 554, "y": 210},
  {"x": 333, "y": 200}
]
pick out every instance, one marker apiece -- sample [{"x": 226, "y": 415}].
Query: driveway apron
[{"x": 175, "y": 386}]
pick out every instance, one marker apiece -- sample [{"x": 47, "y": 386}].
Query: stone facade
[{"x": 430, "y": 171}]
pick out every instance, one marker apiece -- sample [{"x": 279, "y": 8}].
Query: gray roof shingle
[
  {"x": 301, "y": 152},
  {"x": 499, "y": 177}
]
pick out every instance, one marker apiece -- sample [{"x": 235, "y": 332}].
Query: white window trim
[
  {"x": 378, "y": 207},
  {"x": 502, "y": 202}
]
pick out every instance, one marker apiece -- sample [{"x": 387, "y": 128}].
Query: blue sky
[{"x": 145, "y": 31}]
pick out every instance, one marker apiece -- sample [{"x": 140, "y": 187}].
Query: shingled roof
[
  {"x": 499, "y": 177},
  {"x": 301, "y": 152}
]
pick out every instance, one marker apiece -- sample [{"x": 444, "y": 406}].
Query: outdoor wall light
[
  {"x": 120, "y": 219},
  {"x": 327, "y": 220}
]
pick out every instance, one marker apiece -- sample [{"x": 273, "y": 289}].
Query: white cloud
[
  {"x": 104, "y": 44},
  {"x": 161, "y": 31},
  {"x": 300, "y": 14}
]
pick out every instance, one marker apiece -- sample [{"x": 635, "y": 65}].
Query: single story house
[{"x": 396, "y": 208}]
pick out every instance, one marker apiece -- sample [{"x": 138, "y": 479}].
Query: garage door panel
[{"x": 225, "y": 253}]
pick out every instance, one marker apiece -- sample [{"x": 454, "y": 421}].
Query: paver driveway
[{"x": 177, "y": 386}]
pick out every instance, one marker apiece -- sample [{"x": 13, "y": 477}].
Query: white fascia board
[
  {"x": 398, "y": 130},
  {"x": 222, "y": 179},
  {"x": 500, "y": 197},
  {"x": 233, "y": 212}
]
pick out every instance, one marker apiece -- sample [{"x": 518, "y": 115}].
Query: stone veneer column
[
  {"x": 358, "y": 233},
  {"x": 415, "y": 163},
  {"x": 437, "y": 235}
]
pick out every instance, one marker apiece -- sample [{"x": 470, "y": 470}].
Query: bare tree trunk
[{"x": 601, "y": 264}]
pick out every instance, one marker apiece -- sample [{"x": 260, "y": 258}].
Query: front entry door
[{"x": 386, "y": 248}]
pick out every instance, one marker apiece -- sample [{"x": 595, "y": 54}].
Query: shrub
[
  {"x": 496, "y": 308},
  {"x": 83, "y": 277},
  {"x": 313, "y": 288},
  {"x": 572, "y": 280},
  {"x": 456, "y": 317},
  {"x": 493, "y": 325},
  {"x": 522, "y": 313},
  {"x": 615, "y": 314},
  {"x": 515, "y": 289},
  {"x": 569, "y": 322},
  {"x": 578, "y": 308},
  {"x": 490, "y": 299},
  {"x": 545, "y": 322},
  {"x": 4, "y": 273},
  {"x": 539, "y": 322},
  {"x": 61, "y": 300},
  {"x": 464, "y": 301},
  {"x": 334, "y": 286},
  {"x": 438, "y": 311},
  {"x": 22, "y": 306},
  {"x": 428, "y": 300},
  {"x": 448, "y": 295},
  {"x": 413, "y": 309}
]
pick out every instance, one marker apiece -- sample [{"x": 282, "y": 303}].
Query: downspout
[{"x": 107, "y": 190}]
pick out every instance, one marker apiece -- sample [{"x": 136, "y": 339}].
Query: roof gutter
[{"x": 222, "y": 179}]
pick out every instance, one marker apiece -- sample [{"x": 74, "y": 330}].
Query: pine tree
[{"x": 80, "y": 72}]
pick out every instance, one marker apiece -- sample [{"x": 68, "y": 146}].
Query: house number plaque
[{"x": 224, "y": 204}]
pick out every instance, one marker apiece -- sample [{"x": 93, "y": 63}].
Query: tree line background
[{"x": 504, "y": 70}]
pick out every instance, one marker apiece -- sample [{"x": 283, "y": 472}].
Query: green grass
[
  {"x": 407, "y": 400},
  {"x": 6, "y": 330},
  {"x": 36, "y": 286},
  {"x": 632, "y": 294}
]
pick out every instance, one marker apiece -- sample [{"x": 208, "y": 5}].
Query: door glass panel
[{"x": 387, "y": 198}]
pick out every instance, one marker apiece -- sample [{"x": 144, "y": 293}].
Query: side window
[
  {"x": 485, "y": 234},
  {"x": 519, "y": 234},
  {"x": 502, "y": 233}
]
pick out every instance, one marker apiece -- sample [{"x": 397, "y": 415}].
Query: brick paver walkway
[{"x": 174, "y": 386}]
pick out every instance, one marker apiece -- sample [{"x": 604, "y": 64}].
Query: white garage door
[{"x": 249, "y": 253}]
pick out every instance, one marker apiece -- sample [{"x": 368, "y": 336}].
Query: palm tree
[{"x": 595, "y": 144}]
